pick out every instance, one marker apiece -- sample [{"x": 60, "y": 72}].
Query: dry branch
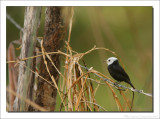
[{"x": 25, "y": 78}]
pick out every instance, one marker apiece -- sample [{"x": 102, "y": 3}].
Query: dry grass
[{"x": 76, "y": 90}]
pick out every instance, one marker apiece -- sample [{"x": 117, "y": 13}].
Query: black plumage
[{"x": 118, "y": 73}]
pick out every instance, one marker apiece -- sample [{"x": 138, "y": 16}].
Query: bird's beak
[{"x": 104, "y": 60}]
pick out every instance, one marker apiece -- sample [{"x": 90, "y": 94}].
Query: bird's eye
[{"x": 109, "y": 60}]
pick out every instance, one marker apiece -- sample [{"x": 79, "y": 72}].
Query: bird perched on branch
[{"x": 118, "y": 73}]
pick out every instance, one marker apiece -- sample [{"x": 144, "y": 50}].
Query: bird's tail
[{"x": 130, "y": 84}]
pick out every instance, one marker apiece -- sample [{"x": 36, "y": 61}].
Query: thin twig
[
  {"x": 51, "y": 76},
  {"x": 95, "y": 104},
  {"x": 14, "y": 22},
  {"x": 96, "y": 81},
  {"x": 49, "y": 53}
]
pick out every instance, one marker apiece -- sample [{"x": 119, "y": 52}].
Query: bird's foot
[
  {"x": 116, "y": 83},
  {"x": 120, "y": 89}
]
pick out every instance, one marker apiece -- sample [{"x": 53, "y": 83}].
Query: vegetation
[{"x": 124, "y": 32}]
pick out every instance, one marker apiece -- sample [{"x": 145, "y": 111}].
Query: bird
[{"x": 118, "y": 73}]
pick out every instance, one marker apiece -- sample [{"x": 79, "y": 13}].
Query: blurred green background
[{"x": 124, "y": 30}]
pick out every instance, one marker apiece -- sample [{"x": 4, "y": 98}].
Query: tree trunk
[
  {"x": 53, "y": 34},
  {"x": 26, "y": 77}
]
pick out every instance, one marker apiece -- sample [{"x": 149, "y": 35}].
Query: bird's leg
[{"x": 116, "y": 83}]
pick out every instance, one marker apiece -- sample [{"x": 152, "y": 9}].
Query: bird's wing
[{"x": 120, "y": 73}]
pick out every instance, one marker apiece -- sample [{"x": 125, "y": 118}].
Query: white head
[{"x": 110, "y": 60}]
